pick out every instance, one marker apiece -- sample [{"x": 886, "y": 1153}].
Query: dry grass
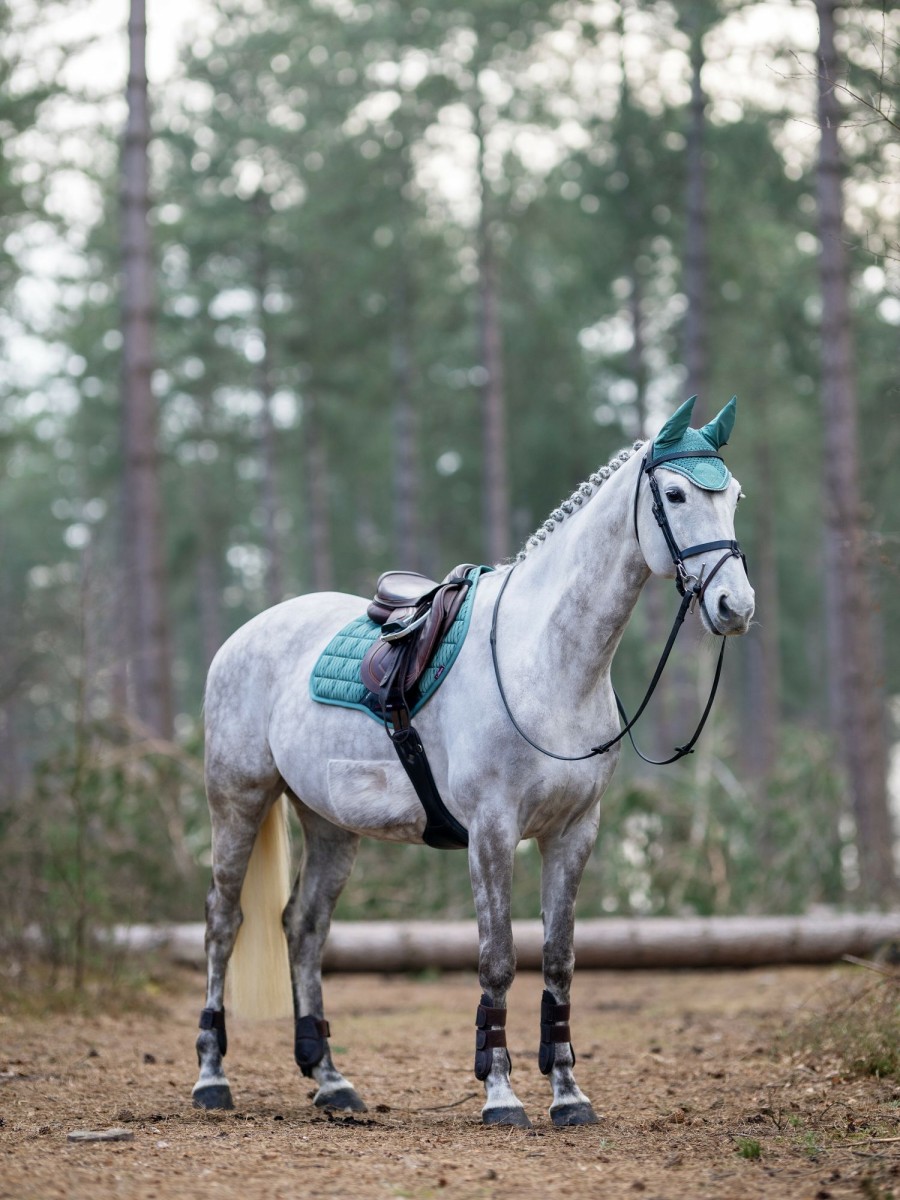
[{"x": 854, "y": 1027}]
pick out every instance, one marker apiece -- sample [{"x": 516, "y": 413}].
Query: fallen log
[{"x": 608, "y": 942}]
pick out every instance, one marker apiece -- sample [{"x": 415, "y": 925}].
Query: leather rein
[{"x": 692, "y": 589}]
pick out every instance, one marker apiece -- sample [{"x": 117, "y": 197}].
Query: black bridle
[{"x": 692, "y": 589}]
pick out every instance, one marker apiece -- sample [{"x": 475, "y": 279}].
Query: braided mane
[{"x": 582, "y": 493}]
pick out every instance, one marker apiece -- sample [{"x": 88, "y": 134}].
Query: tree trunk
[
  {"x": 274, "y": 580},
  {"x": 406, "y": 429},
  {"x": 607, "y": 942},
  {"x": 764, "y": 665},
  {"x": 317, "y": 478},
  {"x": 858, "y": 690},
  {"x": 151, "y": 697},
  {"x": 696, "y": 252},
  {"x": 496, "y": 485}
]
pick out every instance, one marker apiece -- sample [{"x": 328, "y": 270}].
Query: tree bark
[
  {"x": 208, "y": 553},
  {"x": 274, "y": 578},
  {"x": 764, "y": 663},
  {"x": 607, "y": 942},
  {"x": 317, "y": 482},
  {"x": 151, "y": 691},
  {"x": 406, "y": 430},
  {"x": 696, "y": 250},
  {"x": 857, "y": 682},
  {"x": 496, "y": 485}
]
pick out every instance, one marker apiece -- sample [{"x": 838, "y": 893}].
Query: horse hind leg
[
  {"x": 238, "y": 814},
  {"x": 328, "y": 856}
]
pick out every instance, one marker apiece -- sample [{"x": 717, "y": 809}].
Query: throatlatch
[
  {"x": 310, "y": 1044},
  {"x": 211, "y": 1018},
  {"x": 554, "y": 1032},
  {"x": 487, "y": 1038}
]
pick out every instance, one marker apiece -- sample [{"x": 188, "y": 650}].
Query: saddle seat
[{"x": 415, "y": 613}]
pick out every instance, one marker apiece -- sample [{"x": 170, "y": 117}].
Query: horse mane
[{"x": 583, "y": 492}]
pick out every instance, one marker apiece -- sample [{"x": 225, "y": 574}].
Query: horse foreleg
[
  {"x": 328, "y": 856},
  {"x": 491, "y": 868},
  {"x": 564, "y": 859}
]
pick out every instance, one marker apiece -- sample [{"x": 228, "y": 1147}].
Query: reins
[{"x": 691, "y": 594}]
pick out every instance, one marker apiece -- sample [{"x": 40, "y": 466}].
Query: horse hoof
[
  {"x": 213, "y": 1096},
  {"x": 577, "y": 1113},
  {"x": 510, "y": 1115},
  {"x": 341, "y": 1099}
]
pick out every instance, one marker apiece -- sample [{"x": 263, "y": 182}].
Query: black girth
[{"x": 691, "y": 593}]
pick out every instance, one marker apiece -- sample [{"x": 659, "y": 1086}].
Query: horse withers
[{"x": 522, "y": 739}]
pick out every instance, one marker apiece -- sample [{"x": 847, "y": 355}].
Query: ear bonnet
[{"x": 711, "y": 474}]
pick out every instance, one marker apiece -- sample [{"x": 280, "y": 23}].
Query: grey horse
[{"x": 566, "y": 602}]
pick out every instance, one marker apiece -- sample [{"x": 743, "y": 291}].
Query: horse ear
[
  {"x": 718, "y": 431},
  {"x": 676, "y": 426}
]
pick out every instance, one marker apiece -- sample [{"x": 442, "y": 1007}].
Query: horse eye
[{"x": 675, "y": 495}]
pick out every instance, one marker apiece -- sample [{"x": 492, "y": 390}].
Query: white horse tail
[{"x": 259, "y": 976}]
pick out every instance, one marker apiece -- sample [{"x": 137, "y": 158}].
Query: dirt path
[{"x": 686, "y": 1069}]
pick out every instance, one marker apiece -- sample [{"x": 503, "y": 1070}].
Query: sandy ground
[{"x": 685, "y": 1068}]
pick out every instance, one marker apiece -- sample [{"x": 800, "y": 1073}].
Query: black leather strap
[
  {"x": 442, "y": 830},
  {"x": 212, "y": 1018}
]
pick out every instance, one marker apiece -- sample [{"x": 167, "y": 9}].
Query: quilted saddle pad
[{"x": 335, "y": 677}]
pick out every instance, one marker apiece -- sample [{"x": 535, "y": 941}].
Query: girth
[{"x": 415, "y": 615}]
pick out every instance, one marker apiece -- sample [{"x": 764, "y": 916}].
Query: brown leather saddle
[{"x": 414, "y": 613}]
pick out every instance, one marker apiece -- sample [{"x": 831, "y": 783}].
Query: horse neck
[{"x": 579, "y": 588}]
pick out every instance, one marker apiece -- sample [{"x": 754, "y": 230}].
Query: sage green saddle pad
[{"x": 335, "y": 678}]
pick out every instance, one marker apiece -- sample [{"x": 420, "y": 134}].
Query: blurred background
[{"x": 348, "y": 286}]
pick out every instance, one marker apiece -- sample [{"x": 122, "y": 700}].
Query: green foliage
[
  {"x": 112, "y": 834},
  {"x": 748, "y": 1148}
]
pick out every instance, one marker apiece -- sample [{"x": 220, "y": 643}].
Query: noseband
[
  {"x": 683, "y": 577},
  {"x": 692, "y": 589}
]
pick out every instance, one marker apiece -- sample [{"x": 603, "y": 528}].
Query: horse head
[{"x": 684, "y": 518}]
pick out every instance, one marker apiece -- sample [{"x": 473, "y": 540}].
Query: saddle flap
[
  {"x": 411, "y": 654},
  {"x": 379, "y": 664}
]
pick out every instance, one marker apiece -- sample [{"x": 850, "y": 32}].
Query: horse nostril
[{"x": 725, "y": 611}]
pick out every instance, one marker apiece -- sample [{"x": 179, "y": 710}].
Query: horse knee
[
  {"x": 559, "y": 967},
  {"x": 496, "y": 972}
]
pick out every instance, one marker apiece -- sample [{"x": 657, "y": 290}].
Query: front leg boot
[
  {"x": 490, "y": 1034},
  {"x": 554, "y": 1031}
]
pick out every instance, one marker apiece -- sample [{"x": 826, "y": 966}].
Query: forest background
[{"x": 376, "y": 284}]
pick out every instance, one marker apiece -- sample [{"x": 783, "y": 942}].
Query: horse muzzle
[{"x": 728, "y": 612}]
